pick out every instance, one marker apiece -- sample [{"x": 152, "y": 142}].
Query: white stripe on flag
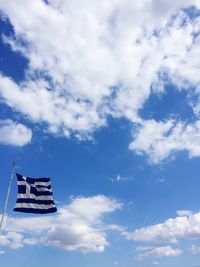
[
  {"x": 32, "y": 196},
  {"x": 36, "y": 183},
  {"x": 42, "y": 183},
  {"x": 23, "y": 183},
  {"x": 34, "y": 206},
  {"x": 39, "y": 189}
]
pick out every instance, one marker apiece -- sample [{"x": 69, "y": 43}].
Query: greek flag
[{"x": 34, "y": 195}]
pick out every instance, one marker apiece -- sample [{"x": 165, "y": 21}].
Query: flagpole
[{"x": 7, "y": 197}]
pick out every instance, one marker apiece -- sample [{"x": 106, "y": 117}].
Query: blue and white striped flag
[{"x": 34, "y": 195}]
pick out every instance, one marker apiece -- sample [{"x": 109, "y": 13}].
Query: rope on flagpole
[{"x": 7, "y": 197}]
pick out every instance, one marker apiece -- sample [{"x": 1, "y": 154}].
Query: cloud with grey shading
[
  {"x": 170, "y": 231},
  {"x": 77, "y": 226},
  {"x": 105, "y": 60}
]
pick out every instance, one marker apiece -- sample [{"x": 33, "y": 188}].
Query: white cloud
[
  {"x": 168, "y": 232},
  {"x": 13, "y": 133},
  {"x": 159, "y": 139},
  {"x": 165, "y": 251},
  {"x": 160, "y": 181},
  {"x": 39, "y": 104},
  {"x": 155, "y": 262},
  {"x": 117, "y": 179},
  {"x": 30, "y": 241},
  {"x": 77, "y": 226},
  {"x": 12, "y": 239},
  {"x": 184, "y": 212},
  {"x": 194, "y": 249},
  {"x": 105, "y": 58}
]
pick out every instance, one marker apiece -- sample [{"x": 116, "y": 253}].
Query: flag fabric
[{"x": 34, "y": 195}]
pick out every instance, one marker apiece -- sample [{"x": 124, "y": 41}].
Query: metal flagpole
[{"x": 7, "y": 197}]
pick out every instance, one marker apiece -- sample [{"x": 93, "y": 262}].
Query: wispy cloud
[
  {"x": 118, "y": 179},
  {"x": 160, "y": 181},
  {"x": 165, "y": 251},
  {"x": 194, "y": 249}
]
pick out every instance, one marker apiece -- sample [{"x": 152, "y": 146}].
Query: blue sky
[{"x": 103, "y": 97}]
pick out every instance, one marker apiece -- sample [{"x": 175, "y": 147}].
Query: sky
[{"x": 104, "y": 98}]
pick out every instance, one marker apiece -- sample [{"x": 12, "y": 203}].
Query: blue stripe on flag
[
  {"x": 34, "y": 201},
  {"x": 31, "y": 180},
  {"x": 38, "y": 211}
]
